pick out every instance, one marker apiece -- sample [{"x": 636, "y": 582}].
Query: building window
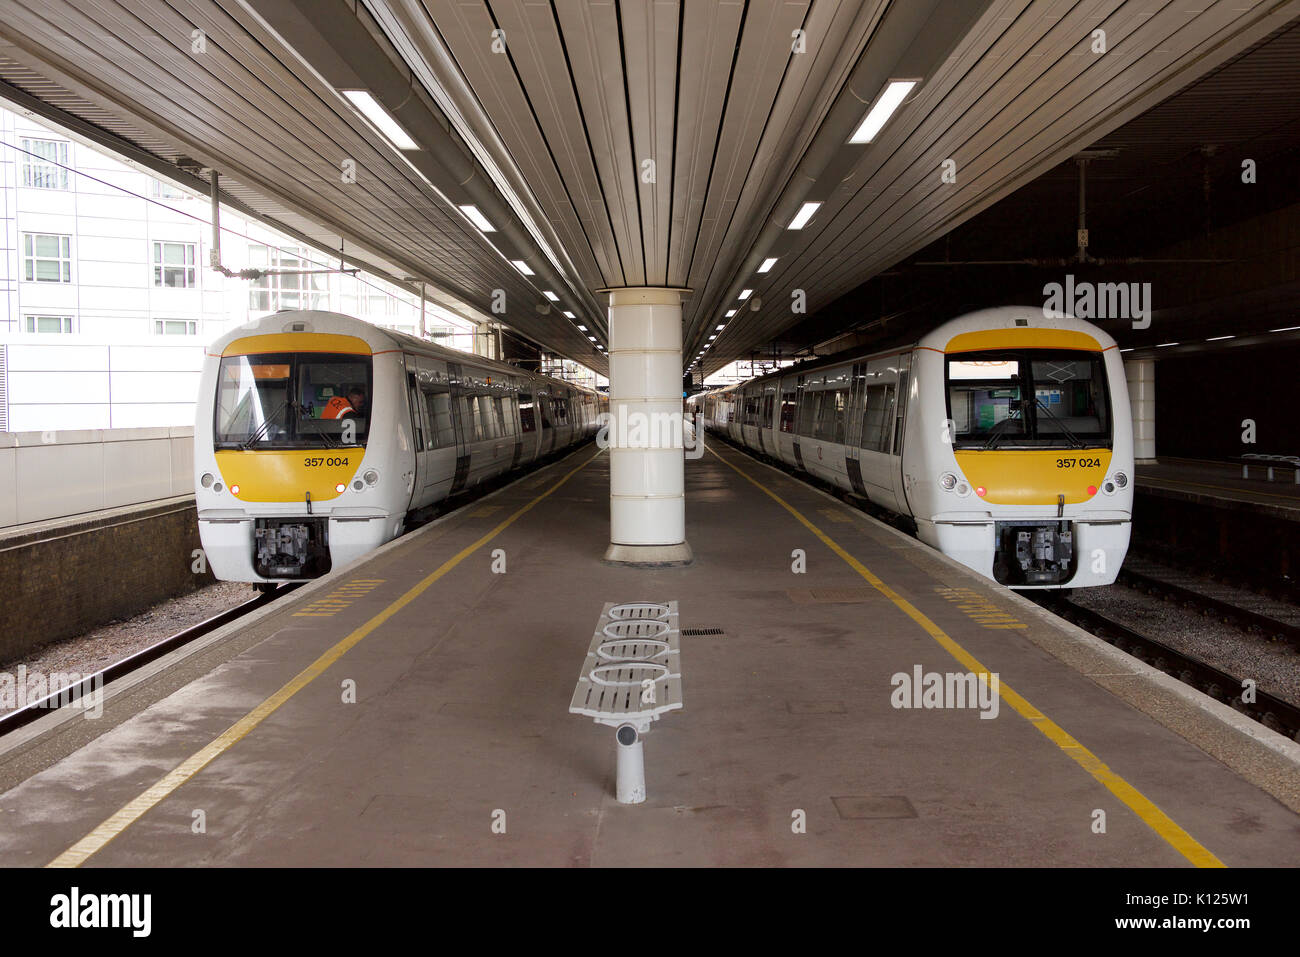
[
  {"x": 284, "y": 290},
  {"x": 173, "y": 265},
  {"x": 54, "y": 324},
  {"x": 160, "y": 190},
  {"x": 47, "y": 258},
  {"x": 175, "y": 327},
  {"x": 380, "y": 303},
  {"x": 47, "y": 169}
]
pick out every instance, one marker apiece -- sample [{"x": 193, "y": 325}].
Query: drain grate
[{"x": 703, "y": 632}]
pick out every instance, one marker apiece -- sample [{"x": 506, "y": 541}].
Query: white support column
[
  {"x": 1141, "y": 375},
  {"x": 647, "y": 494}
]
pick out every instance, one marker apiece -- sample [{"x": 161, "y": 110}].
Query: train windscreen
[
  {"x": 1028, "y": 398},
  {"x": 292, "y": 401}
]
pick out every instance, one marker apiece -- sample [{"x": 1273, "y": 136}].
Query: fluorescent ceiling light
[
  {"x": 805, "y": 213},
  {"x": 1285, "y": 329},
  {"x": 712, "y": 337},
  {"x": 568, "y": 315},
  {"x": 592, "y": 338},
  {"x": 1129, "y": 349},
  {"x": 1163, "y": 344},
  {"x": 876, "y": 118},
  {"x": 744, "y": 294},
  {"x": 723, "y": 326},
  {"x": 550, "y": 295},
  {"x": 582, "y": 327},
  {"x": 767, "y": 264},
  {"x": 520, "y": 265},
  {"x": 376, "y": 114},
  {"x": 1220, "y": 338},
  {"x": 478, "y": 219}
]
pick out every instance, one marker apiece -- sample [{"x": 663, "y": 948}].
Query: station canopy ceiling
[{"x": 609, "y": 144}]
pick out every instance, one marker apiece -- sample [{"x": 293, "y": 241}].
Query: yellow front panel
[
  {"x": 1035, "y": 477},
  {"x": 297, "y": 342},
  {"x": 1022, "y": 338},
  {"x": 286, "y": 476}
]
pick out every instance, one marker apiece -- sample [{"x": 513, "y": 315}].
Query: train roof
[
  {"x": 377, "y": 338},
  {"x": 998, "y": 317}
]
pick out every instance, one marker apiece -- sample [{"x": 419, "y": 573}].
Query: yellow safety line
[
  {"x": 1151, "y": 815},
  {"x": 93, "y": 842}
]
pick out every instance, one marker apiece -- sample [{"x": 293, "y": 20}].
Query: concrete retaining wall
[{"x": 64, "y": 578}]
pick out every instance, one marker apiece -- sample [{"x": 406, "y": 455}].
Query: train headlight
[
  {"x": 963, "y": 489},
  {"x": 358, "y": 485},
  {"x": 1108, "y": 488},
  {"x": 1120, "y": 479},
  {"x": 207, "y": 480},
  {"x": 234, "y": 490},
  {"x": 371, "y": 477},
  {"x": 216, "y": 487},
  {"x": 981, "y": 491},
  {"x": 948, "y": 481},
  {"x": 1092, "y": 490},
  {"x": 341, "y": 488}
]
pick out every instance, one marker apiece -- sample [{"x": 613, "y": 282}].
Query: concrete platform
[
  {"x": 459, "y": 749},
  {"x": 1220, "y": 484}
]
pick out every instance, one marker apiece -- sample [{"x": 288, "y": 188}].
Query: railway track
[
  {"x": 1257, "y": 613},
  {"x": 71, "y": 693},
  {"x": 1272, "y": 712}
]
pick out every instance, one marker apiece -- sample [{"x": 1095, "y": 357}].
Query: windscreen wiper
[
  {"x": 1074, "y": 439},
  {"x": 996, "y": 432},
  {"x": 266, "y": 424}
]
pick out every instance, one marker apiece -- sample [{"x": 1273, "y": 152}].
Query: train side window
[
  {"x": 487, "y": 413},
  {"x": 470, "y": 425},
  {"x": 527, "y": 421},
  {"x": 807, "y": 413},
  {"x": 788, "y": 407},
  {"x": 437, "y": 400},
  {"x": 497, "y": 404},
  {"x": 830, "y": 415},
  {"x": 878, "y": 418}
]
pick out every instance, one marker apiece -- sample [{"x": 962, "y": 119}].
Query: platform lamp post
[{"x": 647, "y": 494}]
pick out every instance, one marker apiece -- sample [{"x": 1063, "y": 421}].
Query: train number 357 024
[
  {"x": 311, "y": 462},
  {"x": 1078, "y": 463}
]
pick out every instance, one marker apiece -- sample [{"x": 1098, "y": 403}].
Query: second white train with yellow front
[{"x": 1004, "y": 435}]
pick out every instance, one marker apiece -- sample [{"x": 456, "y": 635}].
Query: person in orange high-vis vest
[{"x": 338, "y": 406}]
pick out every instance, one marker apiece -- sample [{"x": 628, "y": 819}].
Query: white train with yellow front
[
  {"x": 1004, "y": 435},
  {"x": 316, "y": 434}
]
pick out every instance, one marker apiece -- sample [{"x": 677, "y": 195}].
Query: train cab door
[
  {"x": 461, "y": 473},
  {"x": 900, "y": 430},
  {"x": 545, "y": 411},
  {"x": 529, "y": 433},
  {"x": 418, "y": 428},
  {"x": 853, "y": 428}
]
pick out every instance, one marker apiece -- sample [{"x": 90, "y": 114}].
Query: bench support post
[{"x": 631, "y": 766}]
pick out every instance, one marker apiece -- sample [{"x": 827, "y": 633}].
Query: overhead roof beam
[
  {"x": 343, "y": 45},
  {"x": 911, "y": 41}
]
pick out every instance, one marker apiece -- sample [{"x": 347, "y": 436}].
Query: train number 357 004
[
  {"x": 311, "y": 462},
  {"x": 1078, "y": 463}
]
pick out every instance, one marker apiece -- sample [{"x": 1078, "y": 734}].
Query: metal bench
[
  {"x": 632, "y": 675},
  {"x": 1270, "y": 462}
]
